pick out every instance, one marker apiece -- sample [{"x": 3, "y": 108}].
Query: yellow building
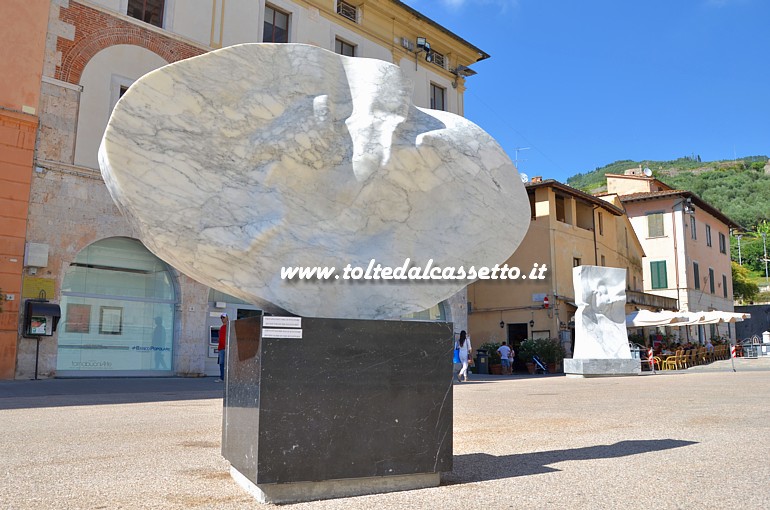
[{"x": 569, "y": 228}]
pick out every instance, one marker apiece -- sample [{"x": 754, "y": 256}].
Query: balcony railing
[{"x": 642, "y": 298}]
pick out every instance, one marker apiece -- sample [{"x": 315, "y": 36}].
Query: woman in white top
[{"x": 464, "y": 344}]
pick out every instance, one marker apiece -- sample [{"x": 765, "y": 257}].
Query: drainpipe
[
  {"x": 596, "y": 247},
  {"x": 676, "y": 256}
]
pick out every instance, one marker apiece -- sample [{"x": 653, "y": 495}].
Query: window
[
  {"x": 604, "y": 261},
  {"x": 348, "y": 11},
  {"x": 711, "y": 280},
  {"x": 693, "y": 231},
  {"x": 724, "y": 285},
  {"x": 722, "y": 243},
  {"x": 658, "y": 273},
  {"x": 708, "y": 235},
  {"x": 561, "y": 211},
  {"x": 149, "y": 11},
  {"x": 575, "y": 262},
  {"x": 437, "y": 95},
  {"x": 344, "y": 48},
  {"x": 532, "y": 213},
  {"x": 696, "y": 274},
  {"x": 119, "y": 85},
  {"x": 276, "y": 28},
  {"x": 655, "y": 224},
  {"x": 601, "y": 225},
  {"x": 117, "y": 303}
]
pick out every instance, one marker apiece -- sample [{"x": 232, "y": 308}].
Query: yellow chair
[{"x": 674, "y": 361}]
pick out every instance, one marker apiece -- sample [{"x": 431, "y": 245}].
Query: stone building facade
[{"x": 125, "y": 312}]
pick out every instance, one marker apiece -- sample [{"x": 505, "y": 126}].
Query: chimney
[{"x": 536, "y": 179}]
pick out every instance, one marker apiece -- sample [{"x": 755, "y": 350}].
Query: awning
[
  {"x": 42, "y": 308},
  {"x": 644, "y": 318}
]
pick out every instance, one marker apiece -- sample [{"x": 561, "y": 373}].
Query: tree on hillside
[{"x": 743, "y": 288}]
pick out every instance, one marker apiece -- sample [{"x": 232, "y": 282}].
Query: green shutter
[
  {"x": 655, "y": 225},
  {"x": 658, "y": 273}
]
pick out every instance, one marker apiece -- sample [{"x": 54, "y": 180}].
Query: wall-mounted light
[
  {"x": 463, "y": 71},
  {"x": 531, "y": 324},
  {"x": 688, "y": 207},
  {"x": 502, "y": 324},
  {"x": 423, "y": 45}
]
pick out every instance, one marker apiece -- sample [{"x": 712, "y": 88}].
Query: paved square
[{"x": 692, "y": 439}]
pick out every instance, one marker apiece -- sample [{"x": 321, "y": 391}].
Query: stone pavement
[{"x": 688, "y": 439}]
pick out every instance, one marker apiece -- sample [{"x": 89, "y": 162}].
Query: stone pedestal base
[
  {"x": 325, "y": 408},
  {"x": 282, "y": 493},
  {"x": 602, "y": 367}
]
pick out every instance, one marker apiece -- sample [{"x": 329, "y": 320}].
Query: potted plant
[
  {"x": 493, "y": 357},
  {"x": 548, "y": 350}
]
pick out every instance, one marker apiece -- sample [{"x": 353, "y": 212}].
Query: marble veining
[
  {"x": 234, "y": 164},
  {"x": 600, "y": 320}
]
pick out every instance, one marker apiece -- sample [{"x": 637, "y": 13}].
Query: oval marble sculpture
[{"x": 234, "y": 164}]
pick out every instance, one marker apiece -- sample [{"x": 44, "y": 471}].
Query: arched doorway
[{"x": 117, "y": 303}]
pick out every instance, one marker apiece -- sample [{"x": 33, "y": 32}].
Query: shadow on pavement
[
  {"x": 94, "y": 391},
  {"x": 480, "y": 467}
]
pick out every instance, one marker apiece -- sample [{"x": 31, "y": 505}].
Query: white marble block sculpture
[
  {"x": 600, "y": 320},
  {"x": 234, "y": 164}
]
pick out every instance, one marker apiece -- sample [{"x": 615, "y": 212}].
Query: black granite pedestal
[{"x": 324, "y": 408}]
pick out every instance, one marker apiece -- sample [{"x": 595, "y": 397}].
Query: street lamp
[
  {"x": 764, "y": 248},
  {"x": 740, "y": 263}
]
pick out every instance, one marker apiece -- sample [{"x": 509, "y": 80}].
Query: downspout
[
  {"x": 596, "y": 247},
  {"x": 676, "y": 267},
  {"x": 676, "y": 259}
]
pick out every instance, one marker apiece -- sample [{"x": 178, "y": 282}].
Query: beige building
[
  {"x": 125, "y": 312},
  {"x": 686, "y": 244},
  {"x": 569, "y": 228}
]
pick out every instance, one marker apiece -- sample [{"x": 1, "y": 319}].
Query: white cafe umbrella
[
  {"x": 716, "y": 316},
  {"x": 645, "y": 318}
]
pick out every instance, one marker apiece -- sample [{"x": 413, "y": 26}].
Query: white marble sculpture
[
  {"x": 600, "y": 320},
  {"x": 236, "y": 163}
]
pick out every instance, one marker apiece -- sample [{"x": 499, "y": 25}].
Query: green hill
[{"x": 739, "y": 188}]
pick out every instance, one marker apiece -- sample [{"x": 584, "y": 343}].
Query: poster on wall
[
  {"x": 37, "y": 325},
  {"x": 78, "y": 318},
  {"x": 110, "y": 320}
]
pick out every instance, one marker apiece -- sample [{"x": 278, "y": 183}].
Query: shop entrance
[
  {"x": 117, "y": 304},
  {"x": 517, "y": 333}
]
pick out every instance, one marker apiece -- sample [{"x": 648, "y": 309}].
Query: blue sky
[{"x": 586, "y": 83}]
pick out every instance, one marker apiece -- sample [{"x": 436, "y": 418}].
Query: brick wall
[{"x": 96, "y": 30}]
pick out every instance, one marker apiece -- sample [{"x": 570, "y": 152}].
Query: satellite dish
[
  {"x": 524, "y": 178},
  {"x": 647, "y": 172}
]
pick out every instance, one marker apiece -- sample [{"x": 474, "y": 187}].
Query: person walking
[
  {"x": 505, "y": 352},
  {"x": 464, "y": 344},
  {"x": 222, "y": 347}
]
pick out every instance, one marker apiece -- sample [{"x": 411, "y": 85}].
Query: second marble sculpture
[
  {"x": 235, "y": 164},
  {"x": 600, "y": 320}
]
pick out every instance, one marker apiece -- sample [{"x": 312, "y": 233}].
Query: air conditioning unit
[{"x": 407, "y": 43}]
